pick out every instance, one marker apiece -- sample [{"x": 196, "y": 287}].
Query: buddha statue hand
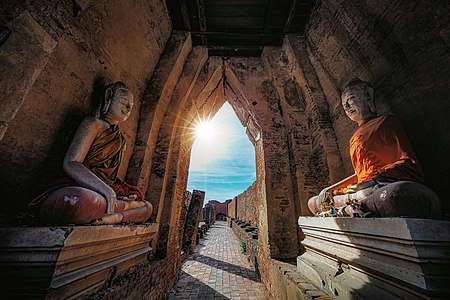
[
  {"x": 110, "y": 202},
  {"x": 131, "y": 197},
  {"x": 325, "y": 200}
]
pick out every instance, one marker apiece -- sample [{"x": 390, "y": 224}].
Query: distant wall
[
  {"x": 54, "y": 65},
  {"x": 232, "y": 208},
  {"x": 247, "y": 206},
  {"x": 219, "y": 208}
]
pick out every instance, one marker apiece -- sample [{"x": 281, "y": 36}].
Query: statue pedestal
[
  {"x": 384, "y": 258},
  {"x": 63, "y": 262}
]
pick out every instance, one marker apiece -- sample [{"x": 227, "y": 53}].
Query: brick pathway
[{"x": 218, "y": 270}]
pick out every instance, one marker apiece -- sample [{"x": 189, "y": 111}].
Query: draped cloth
[
  {"x": 104, "y": 157},
  {"x": 380, "y": 148},
  {"x": 105, "y": 154}
]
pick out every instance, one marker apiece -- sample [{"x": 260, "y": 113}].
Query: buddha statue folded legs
[{"x": 78, "y": 205}]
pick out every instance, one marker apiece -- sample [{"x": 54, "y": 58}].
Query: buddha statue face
[
  {"x": 118, "y": 103},
  {"x": 357, "y": 102},
  {"x": 121, "y": 105}
]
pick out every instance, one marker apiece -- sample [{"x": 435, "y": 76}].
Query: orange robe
[{"x": 380, "y": 148}]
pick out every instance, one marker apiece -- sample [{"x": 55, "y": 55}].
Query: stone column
[
  {"x": 192, "y": 220},
  {"x": 25, "y": 50}
]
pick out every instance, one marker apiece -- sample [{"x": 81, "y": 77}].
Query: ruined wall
[
  {"x": 247, "y": 206},
  {"x": 193, "y": 217},
  {"x": 402, "y": 48},
  {"x": 55, "y": 81},
  {"x": 219, "y": 208},
  {"x": 232, "y": 208}
]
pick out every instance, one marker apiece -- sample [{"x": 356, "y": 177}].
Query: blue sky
[{"x": 222, "y": 158}]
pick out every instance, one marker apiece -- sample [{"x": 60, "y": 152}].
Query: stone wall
[
  {"x": 208, "y": 214},
  {"x": 247, "y": 206},
  {"x": 313, "y": 157},
  {"x": 193, "y": 217},
  {"x": 219, "y": 208},
  {"x": 232, "y": 208},
  {"x": 54, "y": 64},
  {"x": 402, "y": 48},
  {"x": 76, "y": 48}
]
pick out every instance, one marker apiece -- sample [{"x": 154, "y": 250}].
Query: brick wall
[
  {"x": 149, "y": 280},
  {"x": 219, "y": 208},
  {"x": 232, "y": 208},
  {"x": 247, "y": 206}
]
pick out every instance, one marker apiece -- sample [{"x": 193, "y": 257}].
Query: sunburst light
[
  {"x": 205, "y": 130},
  {"x": 212, "y": 136}
]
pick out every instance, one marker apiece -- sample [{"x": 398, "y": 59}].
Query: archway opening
[{"x": 222, "y": 157}]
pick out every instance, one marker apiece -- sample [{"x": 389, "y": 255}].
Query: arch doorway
[{"x": 221, "y": 217}]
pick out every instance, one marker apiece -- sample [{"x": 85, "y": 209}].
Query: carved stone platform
[
  {"x": 377, "y": 258},
  {"x": 65, "y": 262}
]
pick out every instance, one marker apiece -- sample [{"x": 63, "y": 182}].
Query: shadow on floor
[
  {"x": 189, "y": 287},
  {"x": 227, "y": 267}
]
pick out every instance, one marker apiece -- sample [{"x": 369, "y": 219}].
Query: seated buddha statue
[
  {"x": 90, "y": 190},
  {"x": 388, "y": 179}
]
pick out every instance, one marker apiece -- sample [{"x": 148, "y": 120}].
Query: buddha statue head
[
  {"x": 117, "y": 103},
  {"x": 358, "y": 100}
]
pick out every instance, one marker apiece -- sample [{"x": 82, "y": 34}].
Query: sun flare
[
  {"x": 212, "y": 136},
  {"x": 204, "y": 129}
]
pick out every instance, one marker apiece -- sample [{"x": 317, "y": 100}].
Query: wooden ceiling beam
[
  {"x": 236, "y": 2},
  {"x": 201, "y": 14},
  {"x": 292, "y": 8},
  {"x": 237, "y": 34}
]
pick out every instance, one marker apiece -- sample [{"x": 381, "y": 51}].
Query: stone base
[
  {"x": 64, "y": 262},
  {"x": 385, "y": 258},
  {"x": 288, "y": 284}
]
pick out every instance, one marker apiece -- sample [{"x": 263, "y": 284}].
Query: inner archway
[
  {"x": 222, "y": 157},
  {"x": 252, "y": 98}
]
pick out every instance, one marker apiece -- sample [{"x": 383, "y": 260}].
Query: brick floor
[{"x": 218, "y": 270}]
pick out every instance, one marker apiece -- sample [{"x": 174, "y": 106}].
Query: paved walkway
[{"x": 218, "y": 270}]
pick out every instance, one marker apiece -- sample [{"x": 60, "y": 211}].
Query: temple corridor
[
  {"x": 344, "y": 106},
  {"x": 218, "y": 270}
]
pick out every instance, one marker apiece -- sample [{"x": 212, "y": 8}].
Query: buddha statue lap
[
  {"x": 90, "y": 191},
  {"x": 388, "y": 177}
]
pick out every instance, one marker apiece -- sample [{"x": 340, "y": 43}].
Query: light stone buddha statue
[
  {"x": 90, "y": 191},
  {"x": 388, "y": 177}
]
